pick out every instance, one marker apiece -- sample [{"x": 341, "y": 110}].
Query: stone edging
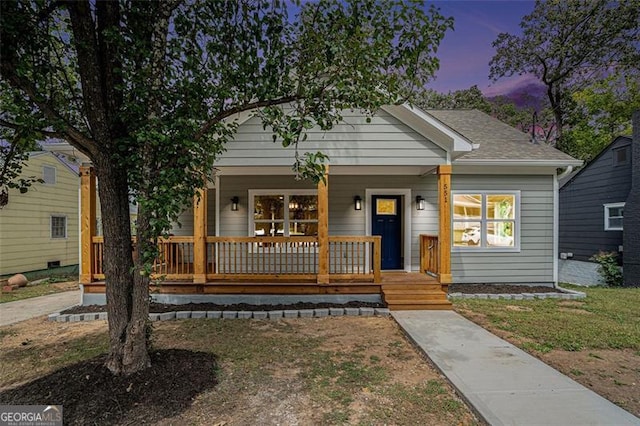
[
  {"x": 568, "y": 294},
  {"x": 302, "y": 313}
]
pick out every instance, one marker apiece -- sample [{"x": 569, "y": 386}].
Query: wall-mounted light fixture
[
  {"x": 234, "y": 204},
  {"x": 357, "y": 202},
  {"x": 420, "y": 203}
]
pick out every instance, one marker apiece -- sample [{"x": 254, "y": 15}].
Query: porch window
[
  {"x": 486, "y": 220},
  {"x": 613, "y": 216},
  {"x": 284, "y": 213}
]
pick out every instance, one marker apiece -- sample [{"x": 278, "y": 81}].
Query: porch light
[
  {"x": 420, "y": 204},
  {"x": 357, "y": 202},
  {"x": 234, "y": 204}
]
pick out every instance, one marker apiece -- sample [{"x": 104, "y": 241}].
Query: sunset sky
[{"x": 465, "y": 52}]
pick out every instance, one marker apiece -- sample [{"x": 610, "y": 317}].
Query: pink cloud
[{"x": 506, "y": 85}]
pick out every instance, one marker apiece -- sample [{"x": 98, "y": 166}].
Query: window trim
[
  {"x": 482, "y": 247},
  {"x": 284, "y": 192},
  {"x": 55, "y": 174},
  {"x": 608, "y": 206},
  {"x": 66, "y": 226}
]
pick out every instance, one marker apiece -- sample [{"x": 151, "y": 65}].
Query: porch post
[
  {"x": 200, "y": 237},
  {"x": 323, "y": 229},
  {"x": 87, "y": 221},
  {"x": 444, "y": 234}
]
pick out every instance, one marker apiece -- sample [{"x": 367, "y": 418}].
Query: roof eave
[
  {"x": 431, "y": 128},
  {"x": 515, "y": 162}
]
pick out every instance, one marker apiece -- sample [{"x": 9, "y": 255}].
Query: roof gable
[{"x": 615, "y": 143}]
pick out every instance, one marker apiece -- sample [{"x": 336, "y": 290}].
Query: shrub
[{"x": 608, "y": 268}]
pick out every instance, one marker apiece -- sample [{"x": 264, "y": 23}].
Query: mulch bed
[
  {"x": 500, "y": 289},
  {"x": 162, "y": 307},
  {"x": 91, "y": 394}
]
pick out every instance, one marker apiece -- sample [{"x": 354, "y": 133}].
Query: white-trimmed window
[
  {"x": 49, "y": 175},
  {"x": 58, "y": 226},
  {"x": 613, "y": 215},
  {"x": 486, "y": 220},
  {"x": 283, "y": 212}
]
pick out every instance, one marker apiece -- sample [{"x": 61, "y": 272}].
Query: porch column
[
  {"x": 200, "y": 237},
  {"x": 323, "y": 229},
  {"x": 444, "y": 234},
  {"x": 87, "y": 221}
]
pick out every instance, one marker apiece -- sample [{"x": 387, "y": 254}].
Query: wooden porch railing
[
  {"x": 261, "y": 258},
  {"x": 429, "y": 254}
]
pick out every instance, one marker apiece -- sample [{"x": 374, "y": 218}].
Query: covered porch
[{"x": 319, "y": 264}]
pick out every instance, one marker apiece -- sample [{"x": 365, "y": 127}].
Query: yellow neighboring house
[{"x": 40, "y": 228}]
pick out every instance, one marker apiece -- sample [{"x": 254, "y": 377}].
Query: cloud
[{"x": 505, "y": 86}]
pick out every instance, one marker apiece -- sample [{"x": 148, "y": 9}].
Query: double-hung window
[
  {"x": 613, "y": 216},
  {"x": 284, "y": 213},
  {"x": 486, "y": 220},
  {"x": 58, "y": 226}
]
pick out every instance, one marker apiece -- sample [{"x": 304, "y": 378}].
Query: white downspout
[{"x": 556, "y": 220}]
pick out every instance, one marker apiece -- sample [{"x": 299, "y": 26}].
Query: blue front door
[{"x": 386, "y": 222}]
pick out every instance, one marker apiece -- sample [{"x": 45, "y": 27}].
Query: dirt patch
[
  {"x": 614, "y": 374},
  {"x": 66, "y": 286},
  {"x": 162, "y": 307},
  {"x": 90, "y": 394},
  {"x": 518, "y": 308},
  {"x": 500, "y": 289}
]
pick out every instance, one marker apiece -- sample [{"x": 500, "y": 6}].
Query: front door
[{"x": 386, "y": 221}]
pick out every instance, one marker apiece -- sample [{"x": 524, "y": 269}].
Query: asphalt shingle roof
[{"x": 497, "y": 140}]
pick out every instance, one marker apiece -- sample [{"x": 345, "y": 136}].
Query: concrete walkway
[
  {"x": 12, "y": 312},
  {"x": 505, "y": 385}
]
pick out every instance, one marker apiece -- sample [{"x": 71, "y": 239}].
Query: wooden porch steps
[{"x": 418, "y": 296}]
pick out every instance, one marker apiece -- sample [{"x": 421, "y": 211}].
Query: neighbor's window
[
  {"x": 58, "y": 227},
  {"x": 613, "y": 215},
  {"x": 486, "y": 219},
  {"x": 621, "y": 155},
  {"x": 49, "y": 175},
  {"x": 284, "y": 213}
]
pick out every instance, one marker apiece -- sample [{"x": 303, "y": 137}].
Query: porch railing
[
  {"x": 261, "y": 258},
  {"x": 429, "y": 254}
]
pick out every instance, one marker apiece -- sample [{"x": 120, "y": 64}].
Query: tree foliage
[
  {"x": 602, "y": 112},
  {"x": 150, "y": 92},
  {"x": 570, "y": 44}
]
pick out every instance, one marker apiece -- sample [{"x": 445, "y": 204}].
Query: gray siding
[
  {"x": 384, "y": 141},
  {"x": 534, "y": 262},
  {"x": 184, "y": 227},
  {"x": 581, "y": 205}
]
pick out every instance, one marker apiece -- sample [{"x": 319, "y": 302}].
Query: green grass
[{"x": 608, "y": 318}]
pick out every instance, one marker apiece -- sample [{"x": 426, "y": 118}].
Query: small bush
[{"x": 608, "y": 268}]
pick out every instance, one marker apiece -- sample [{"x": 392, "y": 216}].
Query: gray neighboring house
[{"x": 592, "y": 204}]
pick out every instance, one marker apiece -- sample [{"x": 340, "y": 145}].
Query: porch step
[{"x": 415, "y": 297}]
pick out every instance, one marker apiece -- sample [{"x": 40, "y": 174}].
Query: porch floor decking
[{"x": 400, "y": 290}]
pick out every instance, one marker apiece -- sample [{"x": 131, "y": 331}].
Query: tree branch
[
  {"x": 49, "y": 133},
  {"x": 238, "y": 109}
]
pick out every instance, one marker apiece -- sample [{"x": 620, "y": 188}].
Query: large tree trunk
[{"x": 127, "y": 300}]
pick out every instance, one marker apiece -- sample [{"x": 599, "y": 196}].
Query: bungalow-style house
[
  {"x": 39, "y": 229},
  {"x": 592, "y": 210},
  {"x": 413, "y": 200}
]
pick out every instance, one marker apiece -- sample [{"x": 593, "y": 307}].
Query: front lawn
[
  {"x": 596, "y": 340},
  {"x": 344, "y": 370}
]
